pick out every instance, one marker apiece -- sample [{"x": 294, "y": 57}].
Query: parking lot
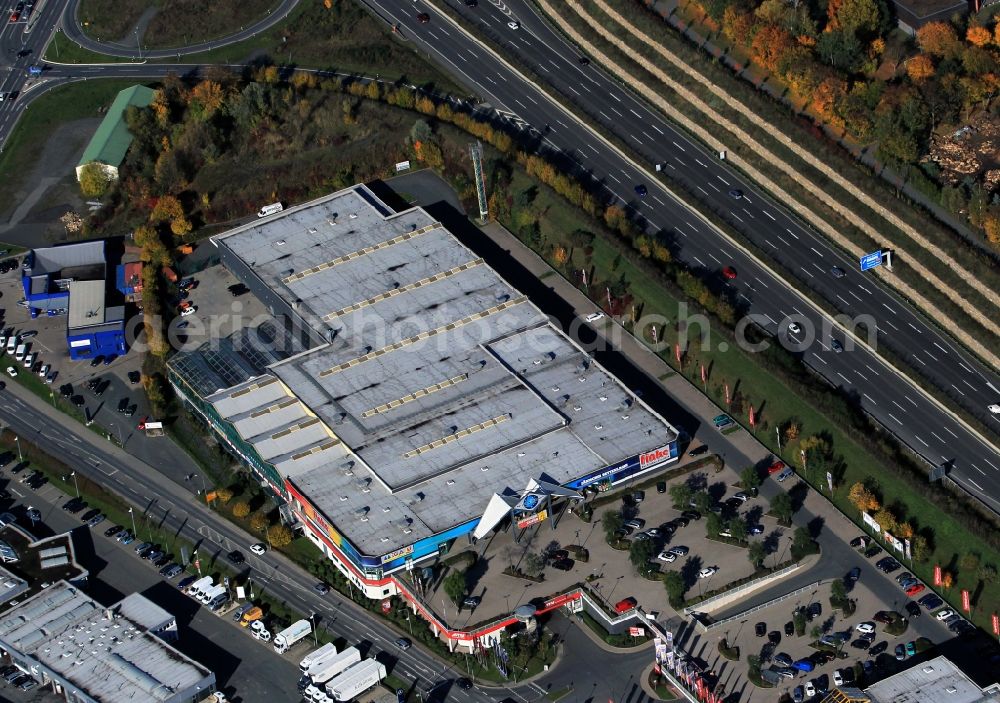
[{"x": 248, "y": 670}]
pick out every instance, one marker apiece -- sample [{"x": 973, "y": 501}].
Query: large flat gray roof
[
  {"x": 103, "y": 651},
  {"x": 49, "y": 260},
  {"x": 440, "y": 384},
  {"x": 937, "y": 680}
]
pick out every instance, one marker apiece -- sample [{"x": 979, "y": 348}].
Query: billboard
[
  {"x": 870, "y": 523},
  {"x": 966, "y": 605},
  {"x": 533, "y": 519},
  {"x": 628, "y": 467}
]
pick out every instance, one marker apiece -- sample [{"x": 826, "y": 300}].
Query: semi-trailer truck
[
  {"x": 324, "y": 672},
  {"x": 317, "y": 655},
  {"x": 356, "y": 680},
  {"x": 284, "y": 640}
]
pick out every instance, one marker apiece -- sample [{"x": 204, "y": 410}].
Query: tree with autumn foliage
[
  {"x": 737, "y": 25},
  {"x": 885, "y": 519},
  {"x": 167, "y": 208},
  {"x": 826, "y": 96},
  {"x": 205, "y": 99},
  {"x": 769, "y": 46},
  {"x": 939, "y": 39},
  {"x": 991, "y": 226},
  {"x": 859, "y": 17},
  {"x": 862, "y": 498},
  {"x": 920, "y": 68},
  {"x": 977, "y": 35}
]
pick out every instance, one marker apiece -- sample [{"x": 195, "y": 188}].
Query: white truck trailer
[
  {"x": 284, "y": 640},
  {"x": 356, "y": 680},
  {"x": 317, "y": 655},
  {"x": 323, "y": 672}
]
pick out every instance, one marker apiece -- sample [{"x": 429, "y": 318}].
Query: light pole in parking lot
[
  {"x": 20, "y": 457},
  {"x": 133, "y": 521},
  {"x": 312, "y": 615},
  {"x": 75, "y": 484}
]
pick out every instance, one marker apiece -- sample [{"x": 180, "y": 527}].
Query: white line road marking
[
  {"x": 715, "y": 187},
  {"x": 769, "y": 215},
  {"x": 656, "y": 128},
  {"x": 520, "y": 103},
  {"x": 649, "y": 136},
  {"x": 807, "y": 272},
  {"x": 681, "y": 162},
  {"x": 636, "y": 138},
  {"x": 659, "y": 201},
  {"x": 888, "y": 308},
  {"x": 920, "y": 360},
  {"x": 591, "y": 146},
  {"x": 861, "y": 374},
  {"x": 737, "y": 217},
  {"x": 892, "y": 325},
  {"x": 899, "y": 406},
  {"x": 635, "y": 113},
  {"x": 699, "y": 162},
  {"x": 978, "y": 469},
  {"x": 757, "y": 280},
  {"x": 911, "y": 400},
  {"x": 978, "y": 487},
  {"x": 713, "y": 258},
  {"x": 949, "y": 432},
  {"x": 573, "y": 89},
  {"x": 846, "y": 379},
  {"x": 749, "y": 214},
  {"x": 679, "y": 146},
  {"x": 930, "y": 355},
  {"x": 818, "y": 267},
  {"x": 604, "y": 115},
  {"x": 690, "y": 225},
  {"x": 967, "y": 369},
  {"x": 854, "y": 294},
  {"x": 818, "y": 357},
  {"x": 969, "y": 385},
  {"x": 871, "y": 369},
  {"x": 842, "y": 300},
  {"x": 991, "y": 464},
  {"x": 791, "y": 232},
  {"x": 722, "y": 179},
  {"x": 672, "y": 166},
  {"x": 616, "y": 112},
  {"x": 700, "y": 262},
  {"x": 703, "y": 190},
  {"x": 817, "y": 252},
  {"x": 615, "y": 97},
  {"x": 940, "y": 347},
  {"x": 935, "y": 435},
  {"x": 768, "y": 242},
  {"x": 767, "y": 316},
  {"x": 869, "y": 398},
  {"x": 958, "y": 389},
  {"x": 921, "y": 440},
  {"x": 865, "y": 290},
  {"x": 617, "y": 180},
  {"x": 914, "y": 328}
]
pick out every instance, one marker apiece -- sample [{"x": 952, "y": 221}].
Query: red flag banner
[
  {"x": 937, "y": 575},
  {"x": 996, "y": 624},
  {"x": 677, "y": 353},
  {"x": 703, "y": 377},
  {"x": 966, "y": 606},
  {"x": 727, "y": 395},
  {"x": 753, "y": 420}
]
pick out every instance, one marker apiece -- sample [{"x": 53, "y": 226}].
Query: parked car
[
  {"x": 760, "y": 629},
  {"x": 171, "y": 570},
  {"x": 96, "y": 520},
  {"x": 931, "y": 601},
  {"x": 152, "y": 555},
  {"x": 112, "y": 531},
  {"x": 89, "y": 515},
  {"x": 912, "y": 609},
  {"x": 625, "y": 605},
  {"x": 708, "y": 572}
]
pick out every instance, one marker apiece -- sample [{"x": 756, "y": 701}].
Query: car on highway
[
  {"x": 321, "y": 588},
  {"x": 994, "y": 408},
  {"x": 641, "y": 190},
  {"x": 729, "y": 273},
  {"x": 403, "y": 643},
  {"x": 236, "y": 558},
  {"x": 594, "y": 316},
  {"x": 836, "y": 345},
  {"x": 708, "y": 572},
  {"x": 423, "y": 17},
  {"x": 23, "y": 52},
  {"x": 736, "y": 193},
  {"x": 514, "y": 24},
  {"x": 837, "y": 272},
  {"x": 258, "y": 548}
]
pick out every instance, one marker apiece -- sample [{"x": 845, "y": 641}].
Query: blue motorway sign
[{"x": 870, "y": 261}]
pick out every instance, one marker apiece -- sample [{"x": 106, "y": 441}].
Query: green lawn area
[
  {"x": 58, "y": 106},
  {"x": 774, "y": 401},
  {"x": 63, "y": 50}
]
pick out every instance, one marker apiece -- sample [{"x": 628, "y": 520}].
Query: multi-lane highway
[{"x": 921, "y": 423}]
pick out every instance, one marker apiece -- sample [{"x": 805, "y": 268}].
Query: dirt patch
[{"x": 969, "y": 150}]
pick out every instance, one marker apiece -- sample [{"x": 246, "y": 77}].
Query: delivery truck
[
  {"x": 284, "y": 640},
  {"x": 356, "y": 680},
  {"x": 327, "y": 651}
]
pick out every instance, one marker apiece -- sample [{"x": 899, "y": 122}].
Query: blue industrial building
[{"x": 72, "y": 280}]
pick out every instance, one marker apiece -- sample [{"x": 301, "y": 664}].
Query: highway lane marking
[
  {"x": 702, "y": 190},
  {"x": 602, "y": 113},
  {"x": 713, "y": 258},
  {"x": 649, "y": 136},
  {"x": 958, "y": 389},
  {"x": 636, "y": 138},
  {"x": 842, "y": 300},
  {"x": 919, "y": 359},
  {"x": 520, "y": 103},
  {"x": 869, "y": 398},
  {"x": 818, "y": 267},
  {"x": 965, "y": 367},
  {"x": 715, "y": 187},
  {"x": 871, "y": 369},
  {"x": 769, "y": 215},
  {"x": 679, "y": 146},
  {"x": 591, "y": 146},
  {"x": 736, "y": 216},
  {"x": 846, "y": 379},
  {"x": 940, "y": 347},
  {"x": 899, "y": 406},
  {"x": 635, "y": 113},
  {"x": 921, "y": 440},
  {"x": 702, "y": 263},
  {"x": 528, "y": 96},
  {"x": 935, "y": 435},
  {"x": 722, "y": 179},
  {"x": 616, "y": 112},
  {"x": 768, "y": 242},
  {"x": 914, "y": 328},
  {"x": 860, "y": 374},
  {"x": 659, "y": 201},
  {"x": 490, "y": 80},
  {"x": 611, "y": 175},
  {"x": 573, "y": 89},
  {"x": 749, "y": 214},
  {"x": 680, "y": 161},
  {"x": 463, "y": 58},
  {"x": 656, "y": 128},
  {"x": 855, "y": 295},
  {"x": 553, "y": 63},
  {"x": 865, "y": 289},
  {"x": 933, "y": 358},
  {"x": 816, "y": 252},
  {"x": 807, "y": 272},
  {"x": 978, "y": 469},
  {"x": 789, "y": 230},
  {"x": 699, "y": 162},
  {"x": 970, "y": 385},
  {"x": 978, "y": 487},
  {"x": 949, "y": 432},
  {"x": 691, "y": 226},
  {"x": 892, "y": 325},
  {"x": 911, "y": 400},
  {"x": 888, "y": 308},
  {"x": 562, "y": 124},
  {"x": 773, "y": 322},
  {"x": 991, "y": 464},
  {"x": 763, "y": 284},
  {"x": 615, "y": 97}
]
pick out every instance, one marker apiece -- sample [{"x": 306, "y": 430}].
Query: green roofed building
[{"x": 111, "y": 140}]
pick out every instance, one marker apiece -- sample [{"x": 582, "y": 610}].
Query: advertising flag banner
[
  {"x": 703, "y": 378},
  {"x": 966, "y": 606},
  {"x": 727, "y": 393},
  {"x": 937, "y": 575},
  {"x": 636, "y": 631},
  {"x": 670, "y": 659},
  {"x": 670, "y": 640},
  {"x": 996, "y": 624},
  {"x": 906, "y": 544},
  {"x": 753, "y": 422},
  {"x": 677, "y": 353}
]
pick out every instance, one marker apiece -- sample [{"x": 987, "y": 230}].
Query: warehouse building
[
  {"x": 413, "y": 397},
  {"x": 72, "y": 280},
  {"x": 88, "y": 653},
  {"x": 938, "y": 679},
  {"x": 110, "y": 143}
]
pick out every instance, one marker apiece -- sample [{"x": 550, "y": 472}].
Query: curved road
[{"x": 71, "y": 27}]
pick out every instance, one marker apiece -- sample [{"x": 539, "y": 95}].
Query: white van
[
  {"x": 270, "y": 209},
  {"x": 196, "y": 588},
  {"x": 21, "y": 350},
  {"x": 208, "y": 595},
  {"x": 12, "y": 344}
]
